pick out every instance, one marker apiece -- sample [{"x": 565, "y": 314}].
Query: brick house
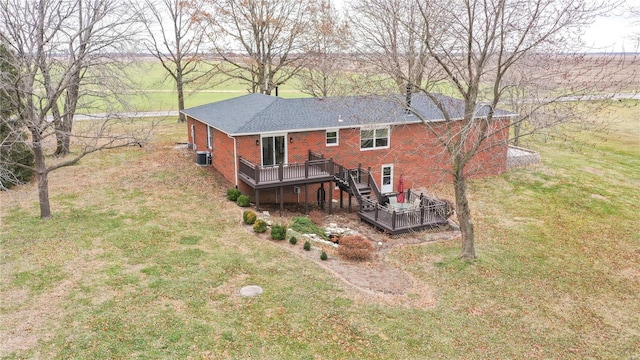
[{"x": 269, "y": 146}]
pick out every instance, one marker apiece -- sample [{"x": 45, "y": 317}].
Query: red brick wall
[
  {"x": 201, "y": 135},
  {"x": 414, "y": 152},
  {"x": 221, "y": 155}
]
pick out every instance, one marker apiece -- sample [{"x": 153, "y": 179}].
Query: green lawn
[
  {"x": 144, "y": 259},
  {"x": 155, "y": 91}
]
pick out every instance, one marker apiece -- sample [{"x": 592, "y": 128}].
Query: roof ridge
[{"x": 257, "y": 114}]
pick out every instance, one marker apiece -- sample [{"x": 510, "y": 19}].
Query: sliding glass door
[{"x": 273, "y": 150}]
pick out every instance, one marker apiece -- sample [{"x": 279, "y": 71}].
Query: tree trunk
[
  {"x": 516, "y": 133},
  {"x": 64, "y": 127},
  {"x": 63, "y": 136},
  {"x": 463, "y": 212},
  {"x": 43, "y": 177},
  {"x": 180, "y": 88}
]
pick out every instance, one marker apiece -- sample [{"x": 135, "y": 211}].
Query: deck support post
[
  {"x": 306, "y": 197},
  {"x": 341, "y": 201},
  {"x": 349, "y": 202},
  {"x": 281, "y": 189},
  {"x": 330, "y": 197}
]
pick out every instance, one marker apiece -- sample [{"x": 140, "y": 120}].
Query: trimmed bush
[
  {"x": 233, "y": 193},
  {"x": 293, "y": 240},
  {"x": 260, "y": 226},
  {"x": 355, "y": 247},
  {"x": 249, "y": 217},
  {"x": 278, "y": 232},
  {"x": 323, "y": 256},
  {"x": 243, "y": 201},
  {"x": 307, "y": 246}
]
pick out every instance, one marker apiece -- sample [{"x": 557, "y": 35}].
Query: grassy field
[
  {"x": 144, "y": 259},
  {"x": 159, "y": 92}
]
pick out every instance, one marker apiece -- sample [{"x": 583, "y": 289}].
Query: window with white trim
[
  {"x": 209, "y": 137},
  {"x": 374, "y": 138},
  {"x": 332, "y": 137}
]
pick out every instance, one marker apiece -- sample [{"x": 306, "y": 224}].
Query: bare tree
[
  {"x": 176, "y": 38},
  {"x": 93, "y": 35},
  {"x": 259, "y": 40},
  {"x": 469, "y": 49},
  {"x": 327, "y": 47},
  {"x": 36, "y": 33},
  {"x": 389, "y": 35}
]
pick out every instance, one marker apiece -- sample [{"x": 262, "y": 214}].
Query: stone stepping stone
[{"x": 250, "y": 291}]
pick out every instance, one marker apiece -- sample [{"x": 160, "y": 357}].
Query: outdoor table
[{"x": 402, "y": 206}]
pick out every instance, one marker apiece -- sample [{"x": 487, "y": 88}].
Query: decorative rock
[{"x": 250, "y": 291}]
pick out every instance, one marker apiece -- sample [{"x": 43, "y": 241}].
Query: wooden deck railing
[
  {"x": 285, "y": 172},
  {"x": 433, "y": 212}
]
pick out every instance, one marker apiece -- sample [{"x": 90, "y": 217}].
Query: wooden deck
[
  {"x": 397, "y": 222},
  {"x": 265, "y": 177},
  {"x": 429, "y": 213}
]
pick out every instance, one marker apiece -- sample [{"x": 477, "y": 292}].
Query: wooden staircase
[{"x": 359, "y": 183}]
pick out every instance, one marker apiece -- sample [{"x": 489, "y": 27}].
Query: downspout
[{"x": 235, "y": 160}]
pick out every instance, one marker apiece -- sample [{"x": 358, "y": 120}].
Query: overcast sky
[{"x": 618, "y": 32}]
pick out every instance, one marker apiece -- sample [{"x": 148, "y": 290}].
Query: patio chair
[
  {"x": 392, "y": 202},
  {"x": 417, "y": 203}
]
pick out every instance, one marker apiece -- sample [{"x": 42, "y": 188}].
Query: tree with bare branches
[
  {"x": 176, "y": 38},
  {"x": 327, "y": 47},
  {"x": 470, "y": 48},
  {"x": 389, "y": 37},
  {"x": 90, "y": 39},
  {"x": 259, "y": 41},
  {"x": 37, "y": 35}
]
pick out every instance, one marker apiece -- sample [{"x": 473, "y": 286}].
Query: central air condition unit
[{"x": 203, "y": 158}]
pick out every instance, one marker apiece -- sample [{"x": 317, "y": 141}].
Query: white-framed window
[
  {"x": 209, "y": 137},
  {"x": 332, "y": 137},
  {"x": 374, "y": 138}
]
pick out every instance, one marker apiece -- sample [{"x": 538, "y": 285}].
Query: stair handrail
[
  {"x": 354, "y": 187},
  {"x": 374, "y": 187}
]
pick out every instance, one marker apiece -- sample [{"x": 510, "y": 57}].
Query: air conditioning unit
[{"x": 203, "y": 158}]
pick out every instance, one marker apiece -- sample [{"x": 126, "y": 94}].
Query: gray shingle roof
[{"x": 257, "y": 113}]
